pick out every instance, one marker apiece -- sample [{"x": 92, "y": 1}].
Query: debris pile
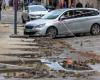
[{"x": 55, "y": 51}]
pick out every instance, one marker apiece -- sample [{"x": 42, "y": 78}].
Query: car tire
[
  {"x": 51, "y": 32},
  {"x": 95, "y": 29}
]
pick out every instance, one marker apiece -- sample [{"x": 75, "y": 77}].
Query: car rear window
[
  {"x": 90, "y": 12},
  {"x": 85, "y": 13}
]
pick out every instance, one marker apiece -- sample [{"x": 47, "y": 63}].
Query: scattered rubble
[
  {"x": 49, "y": 48},
  {"x": 31, "y": 51}
]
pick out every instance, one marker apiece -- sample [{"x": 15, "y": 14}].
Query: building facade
[
  {"x": 98, "y": 4},
  {"x": 93, "y": 3},
  {"x": 72, "y": 3},
  {"x": 59, "y": 3}
]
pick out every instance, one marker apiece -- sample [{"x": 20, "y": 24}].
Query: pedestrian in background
[
  {"x": 61, "y": 4},
  {"x": 20, "y": 4},
  {"x": 72, "y": 4},
  {"x": 7, "y": 3},
  {"x": 4, "y": 5},
  {"x": 87, "y": 5},
  {"x": 15, "y": 4},
  {"x": 0, "y": 8},
  {"x": 79, "y": 5}
]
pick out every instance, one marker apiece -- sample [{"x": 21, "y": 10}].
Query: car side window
[
  {"x": 93, "y": 13},
  {"x": 90, "y": 13},
  {"x": 68, "y": 14},
  {"x": 78, "y": 13},
  {"x": 85, "y": 13}
]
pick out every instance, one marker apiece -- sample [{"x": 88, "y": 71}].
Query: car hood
[
  {"x": 38, "y": 13},
  {"x": 39, "y": 21}
]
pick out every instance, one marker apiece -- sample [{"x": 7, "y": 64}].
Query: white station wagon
[{"x": 65, "y": 21}]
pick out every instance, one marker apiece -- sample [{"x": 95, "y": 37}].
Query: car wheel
[
  {"x": 51, "y": 32},
  {"x": 95, "y": 29}
]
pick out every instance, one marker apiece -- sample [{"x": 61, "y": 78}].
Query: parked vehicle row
[{"x": 64, "y": 22}]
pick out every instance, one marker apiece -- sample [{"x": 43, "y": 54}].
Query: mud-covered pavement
[
  {"x": 12, "y": 48},
  {"x": 22, "y": 51}
]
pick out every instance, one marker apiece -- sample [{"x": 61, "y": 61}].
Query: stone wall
[
  {"x": 93, "y": 3},
  {"x": 98, "y": 4}
]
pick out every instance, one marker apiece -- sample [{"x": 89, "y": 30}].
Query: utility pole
[
  {"x": 15, "y": 16},
  {"x": 0, "y": 8}
]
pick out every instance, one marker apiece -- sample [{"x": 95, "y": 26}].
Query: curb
[{"x": 18, "y": 36}]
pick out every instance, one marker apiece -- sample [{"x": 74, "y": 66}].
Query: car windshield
[
  {"x": 53, "y": 14},
  {"x": 36, "y": 8}
]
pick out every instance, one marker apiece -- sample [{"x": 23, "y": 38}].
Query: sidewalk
[
  {"x": 5, "y": 31},
  {"x": 8, "y": 16}
]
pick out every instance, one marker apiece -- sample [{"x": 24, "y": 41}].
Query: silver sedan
[{"x": 65, "y": 22}]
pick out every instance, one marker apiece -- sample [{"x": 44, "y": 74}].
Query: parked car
[
  {"x": 49, "y": 8},
  {"x": 66, "y": 21},
  {"x": 33, "y": 12},
  {"x": 35, "y": 3}
]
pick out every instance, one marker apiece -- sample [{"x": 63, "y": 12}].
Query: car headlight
[{"x": 39, "y": 26}]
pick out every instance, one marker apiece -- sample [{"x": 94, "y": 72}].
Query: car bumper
[{"x": 35, "y": 32}]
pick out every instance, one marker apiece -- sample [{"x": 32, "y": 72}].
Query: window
[
  {"x": 85, "y": 13},
  {"x": 68, "y": 14},
  {"x": 78, "y": 13},
  {"x": 94, "y": 13}
]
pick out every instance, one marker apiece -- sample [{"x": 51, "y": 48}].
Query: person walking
[
  {"x": 66, "y": 3},
  {"x": 21, "y": 5},
  {"x": 4, "y": 5},
  {"x": 7, "y": 3},
  {"x": 16, "y": 4},
  {"x": 87, "y": 5},
  {"x": 61, "y": 4}
]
